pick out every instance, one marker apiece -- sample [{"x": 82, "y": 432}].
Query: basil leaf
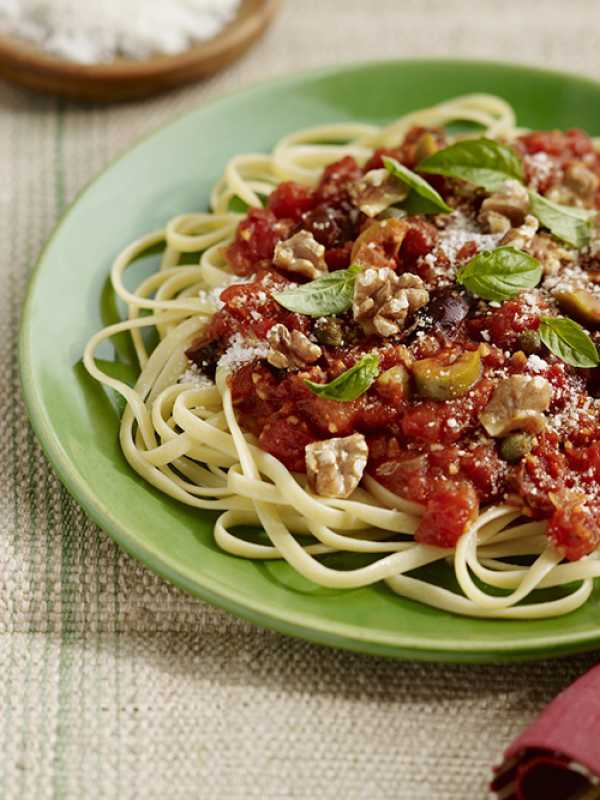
[
  {"x": 499, "y": 274},
  {"x": 350, "y": 384},
  {"x": 569, "y": 341},
  {"x": 326, "y": 296},
  {"x": 483, "y": 162},
  {"x": 570, "y": 224},
  {"x": 417, "y": 184}
]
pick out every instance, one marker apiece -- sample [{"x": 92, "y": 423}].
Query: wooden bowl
[{"x": 124, "y": 79}]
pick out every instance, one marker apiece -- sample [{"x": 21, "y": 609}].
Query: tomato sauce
[{"x": 434, "y": 452}]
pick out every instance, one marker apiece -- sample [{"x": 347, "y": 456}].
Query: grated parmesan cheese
[
  {"x": 90, "y": 32},
  {"x": 241, "y": 351},
  {"x": 463, "y": 229},
  {"x": 539, "y": 166},
  {"x": 194, "y": 376},
  {"x": 213, "y": 296},
  {"x": 536, "y": 364}
]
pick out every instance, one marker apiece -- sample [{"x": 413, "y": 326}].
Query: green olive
[
  {"x": 396, "y": 380},
  {"x": 581, "y": 304},
  {"x": 328, "y": 330},
  {"x": 438, "y": 380},
  {"x": 426, "y": 146},
  {"x": 530, "y": 342},
  {"x": 515, "y": 446}
]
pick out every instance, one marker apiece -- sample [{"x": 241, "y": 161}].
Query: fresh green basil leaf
[
  {"x": 417, "y": 184},
  {"x": 499, "y": 274},
  {"x": 568, "y": 223},
  {"x": 483, "y": 162},
  {"x": 324, "y": 297},
  {"x": 569, "y": 341},
  {"x": 350, "y": 384}
]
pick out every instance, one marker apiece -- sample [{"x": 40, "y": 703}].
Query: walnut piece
[
  {"x": 383, "y": 300},
  {"x": 510, "y": 201},
  {"x": 522, "y": 236},
  {"x": 578, "y": 188},
  {"x": 334, "y": 467},
  {"x": 290, "y": 349},
  {"x": 550, "y": 253},
  {"x": 518, "y": 404},
  {"x": 301, "y": 254},
  {"x": 377, "y": 191}
]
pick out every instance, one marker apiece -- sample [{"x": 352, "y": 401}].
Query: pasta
[{"x": 182, "y": 434}]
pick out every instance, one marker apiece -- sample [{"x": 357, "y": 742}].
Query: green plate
[{"x": 76, "y": 421}]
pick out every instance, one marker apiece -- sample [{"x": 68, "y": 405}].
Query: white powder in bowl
[{"x": 92, "y": 31}]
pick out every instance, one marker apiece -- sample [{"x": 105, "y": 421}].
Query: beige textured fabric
[{"x": 115, "y": 685}]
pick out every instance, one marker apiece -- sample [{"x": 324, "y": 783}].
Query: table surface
[{"x": 115, "y": 684}]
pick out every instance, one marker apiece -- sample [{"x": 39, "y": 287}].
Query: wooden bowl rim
[{"x": 243, "y": 26}]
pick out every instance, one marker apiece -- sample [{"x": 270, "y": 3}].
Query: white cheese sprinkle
[
  {"x": 241, "y": 351},
  {"x": 461, "y": 230},
  {"x": 536, "y": 364},
  {"x": 194, "y": 376}
]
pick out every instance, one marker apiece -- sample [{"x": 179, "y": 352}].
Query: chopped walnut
[
  {"x": 579, "y": 186},
  {"x": 383, "y": 300},
  {"x": 496, "y": 223},
  {"x": 301, "y": 254},
  {"x": 334, "y": 467},
  {"x": 550, "y": 253},
  {"x": 377, "y": 191},
  {"x": 510, "y": 201},
  {"x": 290, "y": 349},
  {"x": 522, "y": 236},
  {"x": 518, "y": 404}
]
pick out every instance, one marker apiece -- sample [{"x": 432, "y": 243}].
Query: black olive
[
  {"x": 446, "y": 311},
  {"x": 205, "y": 356}
]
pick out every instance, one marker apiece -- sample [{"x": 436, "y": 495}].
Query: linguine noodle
[{"x": 184, "y": 439}]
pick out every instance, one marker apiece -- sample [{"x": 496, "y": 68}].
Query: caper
[
  {"x": 515, "y": 446},
  {"x": 439, "y": 380},
  {"x": 328, "y": 331},
  {"x": 530, "y": 342},
  {"x": 580, "y": 304}
]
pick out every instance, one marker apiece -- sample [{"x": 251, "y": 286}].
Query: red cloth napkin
[{"x": 558, "y": 756}]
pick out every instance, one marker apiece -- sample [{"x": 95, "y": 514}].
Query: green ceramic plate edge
[{"x": 351, "y": 637}]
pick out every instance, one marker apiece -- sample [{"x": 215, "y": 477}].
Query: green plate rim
[{"x": 292, "y": 623}]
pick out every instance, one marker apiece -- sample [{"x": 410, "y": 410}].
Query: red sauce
[{"x": 431, "y": 452}]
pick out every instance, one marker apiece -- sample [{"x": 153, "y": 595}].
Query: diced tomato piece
[
  {"x": 404, "y": 473},
  {"x": 339, "y": 257},
  {"x": 285, "y": 436},
  {"x": 329, "y": 417},
  {"x": 569, "y": 144},
  {"x": 484, "y": 468},
  {"x": 450, "y": 510},
  {"x": 574, "y": 528},
  {"x": 504, "y": 324},
  {"x": 541, "y": 473},
  {"x": 255, "y": 240},
  {"x": 289, "y": 200},
  {"x": 336, "y": 180},
  {"x": 420, "y": 239}
]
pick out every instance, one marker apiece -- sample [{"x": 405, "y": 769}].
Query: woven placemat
[{"x": 114, "y": 684}]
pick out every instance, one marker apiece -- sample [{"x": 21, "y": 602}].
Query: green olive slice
[
  {"x": 437, "y": 379},
  {"x": 396, "y": 379},
  {"x": 580, "y": 304}
]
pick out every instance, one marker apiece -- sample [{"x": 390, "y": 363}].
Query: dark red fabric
[
  {"x": 570, "y": 725},
  {"x": 568, "y": 730}
]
